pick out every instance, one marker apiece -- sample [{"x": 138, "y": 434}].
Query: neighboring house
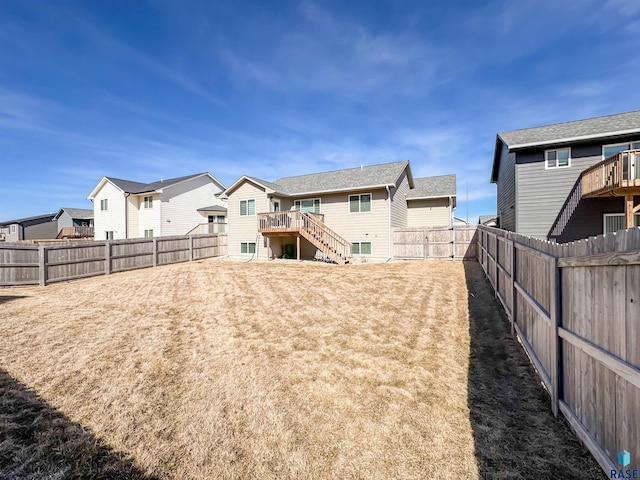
[
  {"x": 336, "y": 214},
  {"x": 40, "y": 227},
  {"x": 459, "y": 222},
  {"x": 74, "y": 223},
  {"x": 127, "y": 209},
  {"x": 488, "y": 220},
  {"x": 569, "y": 180}
]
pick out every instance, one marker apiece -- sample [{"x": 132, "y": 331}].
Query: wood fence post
[
  {"x": 107, "y": 257},
  {"x": 514, "y": 292},
  {"x": 154, "y": 250},
  {"x": 42, "y": 265},
  {"x": 497, "y": 259},
  {"x": 555, "y": 312},
  {"x": 190, "y": 248}
]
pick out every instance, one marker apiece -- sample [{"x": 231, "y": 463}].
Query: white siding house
[{"x": 127, "y": 209}]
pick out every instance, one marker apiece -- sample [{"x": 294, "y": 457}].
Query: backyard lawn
[{"x": 217, "y": 369}]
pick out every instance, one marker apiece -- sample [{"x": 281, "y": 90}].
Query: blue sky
[{"x": 145, "y": 90}]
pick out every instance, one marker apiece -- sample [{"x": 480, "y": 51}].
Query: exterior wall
[
  {"x": 112, "y": 219},
  {"x": 245, "y": 228},
  {"x": 38, "y": 231},
  {"x": 432, "y": 212},
  {"x": 15, "y": 235},
  {"x": 178, "y": 206},
  {"x": 133, "y": 217},
  {"x": 399, "y": 215},
  {"x": 588, "y": 218},
  {"x": 65, "y": 220},
  {"x": 360, "y": 227},
  {"x": 541, "y": 193},
  {"x": 151, "y": 218},
  {"x": 506, "y": 189}
]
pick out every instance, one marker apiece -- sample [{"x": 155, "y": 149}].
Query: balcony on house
[
  {"x": 75, "y": 232},
  {"x": 284, "y": 223},
  {"x": 615, "y": 176}
]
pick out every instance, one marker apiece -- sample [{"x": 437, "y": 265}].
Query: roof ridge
[{"x": 406, "y": 162}]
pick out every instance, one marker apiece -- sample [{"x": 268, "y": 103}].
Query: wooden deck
[
  {"x": 618, "y": 175},
  {"x": 75, "y": 232}
]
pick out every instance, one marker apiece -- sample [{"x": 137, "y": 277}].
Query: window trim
[
  {"x": 148, "y": 233},
  {"x": 359, "y": 195},
  {"x": 359, "y": 243},
  {"x": 546, "y": 162},
  {"x": 617, "y": 145},
  {"x": 12, "y": 229},
  {"x": 308, "y": 199},
  {"x": 247, "y": 207},
  {"x": 148, "y": 204},
  {"x": 605, "y": 215},
  {"x": 109, "y": 233},
  {"x": 248, "y": 252},
  {"x": 104, "y": 205}
]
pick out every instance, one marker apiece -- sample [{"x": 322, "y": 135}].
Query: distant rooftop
[
  {"x": 76, "y": 213},
  {"x": 129, "y": 186},
  {"x": 431, "y": 187},
  {"x": 45, "y": 218}
]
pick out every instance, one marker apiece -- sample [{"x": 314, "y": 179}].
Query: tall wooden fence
[
  {"x": 48, "y": 263},
  {"x": 459, "y": 243},
  {"x": 576, "y": 309}
]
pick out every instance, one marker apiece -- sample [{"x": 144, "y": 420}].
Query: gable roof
[
  {"x": 433, "y": 187},
  {"x": 482, "y": 219},
  {"x": 214, "y": 208},
  {"x": 359, "y": 178},
  {"x": 129, "y": 186},
  {"x": 599, "y": 127},
  {"x": 47, "y": 217},
  {"x": 558, "y": 133},
  {"x": 76, "y": 213}
]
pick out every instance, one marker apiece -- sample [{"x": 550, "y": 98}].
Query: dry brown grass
[{"x": 226, "y": 370}]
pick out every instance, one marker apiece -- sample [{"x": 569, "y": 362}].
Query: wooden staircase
[{"x": 310, "y": 227}]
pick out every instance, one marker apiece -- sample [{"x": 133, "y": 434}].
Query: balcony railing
[
  {"x": 75, "y": 232},
  {"x": 280, "y": 222},
  {"x": 204, "y": 228},
  {"x": 612, "y": 175}
]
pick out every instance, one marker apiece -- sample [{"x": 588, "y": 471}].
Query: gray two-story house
[{"x": 569, "y": 180}]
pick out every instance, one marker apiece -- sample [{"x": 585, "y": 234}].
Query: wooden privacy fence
[
  {"x": 48, "y": 263},
  {"x": 576, "y": 309},
  {"x": 459, "y": 243}
]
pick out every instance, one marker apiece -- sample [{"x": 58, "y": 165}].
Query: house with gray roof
[
  {"x": 334, "y": 215},
  {"x": 38, "y": 227},
  {"x": 74, "y": 223},
  {"x": 175, "y": 206},
  {"x": 569, "y": 180}
]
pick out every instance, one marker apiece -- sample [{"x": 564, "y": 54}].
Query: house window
[
  {"x": 360, "y": 203},
  {"x": 361, "y": 248},
  {"x": 557, "y": 158},
  {"x": 148, "y": 233},
  {"x": 248, "y": 247},
  {"x": 148, "y": 202},
  {"x": 247, "y": 207},
  {"x": 609, "y": 150},
  {"x": 13, "y": 229},
  {"x": 104, "y": 204},
  {"x": 310, "y": 205},
  {"x": 216, "y": 219},
  {"x": 108, "y": 235},
  {"x": 617, "y": 221}
]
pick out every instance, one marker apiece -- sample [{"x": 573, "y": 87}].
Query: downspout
[
  {"x": 453, "y": 229},
  {"x": 389, "y": 209}
]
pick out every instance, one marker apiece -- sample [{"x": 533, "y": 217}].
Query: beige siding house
[
  {"x": 177, "y": 206},
  {"x": 342, "y": 215}
]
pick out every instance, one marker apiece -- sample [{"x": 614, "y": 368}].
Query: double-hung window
[
  {"x": 557, "y": 158},
  {"x": 148, "y": 233},
  {"x": 247, "y": 207},
  {"x": 108, "y": 235},
  {"x": 309, "y": 205},
  {"x": 104, "y": 204},
  {"x": 148, "y": 202},
  {"x": 360, "y": 203}
]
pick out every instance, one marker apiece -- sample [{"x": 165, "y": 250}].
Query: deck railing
[
  {"x": 206, "y": 228},
  {"x": 75, "y": 232},
  {"x": 311, "y": 226},
  {"x": 621, "y": 170}
]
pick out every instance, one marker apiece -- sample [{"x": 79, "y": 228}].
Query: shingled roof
[
  {"x": 76, "y": 213},
  {"x": 45, "y": 218},
  {"x": 136, "y": 187},
  {"x": 433, "y": 187},
  {"x": 372, "y": 176},
  {"x": 607, "y": 126}
]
